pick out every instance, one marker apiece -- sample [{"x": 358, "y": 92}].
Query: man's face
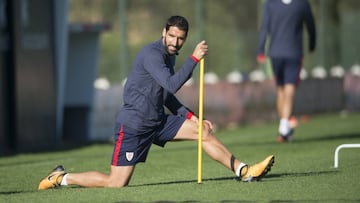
[{"x": 173, "y": 39}]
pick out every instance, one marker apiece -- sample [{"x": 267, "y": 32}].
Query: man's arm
[
  {"x": 156, "y": 66},
  {"x": 310, "y": 25},
  {"x": 263, "y": 33},
  {"x": 159, "y": 70}
]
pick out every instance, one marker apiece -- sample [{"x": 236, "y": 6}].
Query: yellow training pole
[{"x": 201, "y": 103}]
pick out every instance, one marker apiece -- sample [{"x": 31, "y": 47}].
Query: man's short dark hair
[{"x": 179, "y": 22}]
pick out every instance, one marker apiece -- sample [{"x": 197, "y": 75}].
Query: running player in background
[{"x": 282, "y": 24}]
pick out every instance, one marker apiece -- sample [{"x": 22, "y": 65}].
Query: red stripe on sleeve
[
  {"x": 195, "y": 59},
  {"x": 117, "y": 147}
]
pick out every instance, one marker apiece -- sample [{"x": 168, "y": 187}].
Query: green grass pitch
[{"x": 303, "y": 170}]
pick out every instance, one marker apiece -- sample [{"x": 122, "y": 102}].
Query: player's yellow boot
[
  {"x": 257, "y": 171},
  {"x": 53, "y": 179}
]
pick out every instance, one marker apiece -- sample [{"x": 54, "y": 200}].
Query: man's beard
[{"x": 171, "y": 52}]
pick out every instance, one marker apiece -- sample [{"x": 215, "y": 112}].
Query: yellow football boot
[
  {"x": 53, "y": 179},
  {"x": 257, "y": 171}
]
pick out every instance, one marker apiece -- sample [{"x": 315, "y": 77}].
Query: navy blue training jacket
[
  {"x": 151, "y": 85},
  {"x": 283, "y": 24}
]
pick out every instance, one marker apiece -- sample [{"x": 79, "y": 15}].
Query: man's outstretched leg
[
  {"x": 217, "y": 151},
  {"x": 119, "y": 177}
]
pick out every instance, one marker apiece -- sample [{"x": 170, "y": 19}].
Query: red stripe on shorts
[{"x": 118, "y": 146}]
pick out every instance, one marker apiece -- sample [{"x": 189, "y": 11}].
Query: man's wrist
[
  {"x": 261, "y": 58},
  {"x": 195, "y": 59}
]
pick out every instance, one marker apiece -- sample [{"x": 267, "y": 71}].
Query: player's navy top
[
  {"x": 151, "y": 85},
  {"x": 283, "y": 22}
]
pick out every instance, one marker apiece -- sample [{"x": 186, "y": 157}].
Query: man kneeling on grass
[{"x": 142, "y": 121}]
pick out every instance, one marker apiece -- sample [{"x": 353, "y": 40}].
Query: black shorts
[
  {"x": 286, "y": 70},
  {"x": 132, "y": 146}
]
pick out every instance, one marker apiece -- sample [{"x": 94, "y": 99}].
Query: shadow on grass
[
  {"x": 267, "y": 177},
  {"x": 298, "y": 174},
  {"x": 10, "y": 192},
  {"x": 190, "y": 201},
  {"x": 185, "y": 181}
]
